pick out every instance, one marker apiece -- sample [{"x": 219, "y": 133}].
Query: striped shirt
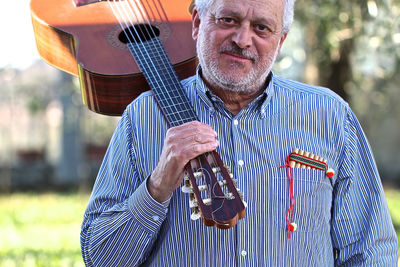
[{"x": 341, "y": 221}]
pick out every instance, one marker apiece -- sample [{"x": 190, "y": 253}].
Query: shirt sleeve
[
  {"x": 362, "y": 230},
  {"x": 122, "y": 220}
]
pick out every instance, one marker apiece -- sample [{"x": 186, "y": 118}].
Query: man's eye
[
  {"x": 261, "y": 28},
  {"x": 226, "y": 20}
]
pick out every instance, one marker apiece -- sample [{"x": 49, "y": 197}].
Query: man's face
[{"x": 238, "y": 42}]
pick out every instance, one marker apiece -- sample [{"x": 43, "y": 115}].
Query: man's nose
[{"x": 242, "y": 36}]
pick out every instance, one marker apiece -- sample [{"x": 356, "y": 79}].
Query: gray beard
[{"x": 249, "y": 84}]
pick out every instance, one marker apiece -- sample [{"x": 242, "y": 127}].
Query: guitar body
[{"x": 84, "y": 38}]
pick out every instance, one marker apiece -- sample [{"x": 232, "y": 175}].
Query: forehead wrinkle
[{"x": 226, "y": 11}]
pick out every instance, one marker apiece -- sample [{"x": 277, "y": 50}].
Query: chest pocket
[{"x": 312, "y": 199}]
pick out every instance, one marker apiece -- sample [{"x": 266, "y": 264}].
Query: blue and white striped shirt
[{"x": 342, "y": 221}]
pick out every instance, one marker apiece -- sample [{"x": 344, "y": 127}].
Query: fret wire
[
  {"x": 164, "y": 72},
  {"x": 169, "y": 66},
  {"x": 170, "y": 70},
  {"x": 144, "y": 66},
  {"x": 178, "y": 112},
  {"x": 180, "y": 106},
  {"x": 169, "y": 103}
]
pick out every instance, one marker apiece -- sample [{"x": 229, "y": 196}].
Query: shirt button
[
  {"x": 262, "y": 114},
  {"x": 235, "y": 122},
  {"x": 156, "y": 218},
  {"x": 240, "y": 162},
  {"x": 244, "y": 253}
]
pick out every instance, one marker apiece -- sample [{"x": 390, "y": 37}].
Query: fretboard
[{"x": 157, "y": 68}]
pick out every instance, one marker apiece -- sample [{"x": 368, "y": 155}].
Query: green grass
[
  {"x": 393, "y": 200},
  {"x": 43, "y": 229}
]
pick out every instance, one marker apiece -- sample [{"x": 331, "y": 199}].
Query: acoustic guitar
[
  {"x": 144, "y": 29},
  {"x": 84, "y": 38}
]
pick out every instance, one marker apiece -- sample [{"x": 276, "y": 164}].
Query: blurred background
[{"x": 51, "y": 146}]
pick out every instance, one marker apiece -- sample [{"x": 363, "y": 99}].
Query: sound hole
[{"x": 138, "y": 33}]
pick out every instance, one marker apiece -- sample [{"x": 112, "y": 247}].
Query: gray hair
[{"x": 288, "y": 11}]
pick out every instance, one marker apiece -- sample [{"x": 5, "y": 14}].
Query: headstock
[{"x": 213, "y": 193}]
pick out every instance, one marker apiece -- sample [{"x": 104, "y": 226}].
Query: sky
[{"x": 17, "y": 45}]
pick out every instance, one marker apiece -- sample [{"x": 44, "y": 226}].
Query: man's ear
[
  {"x": 195, "y": 24},
  {"x": 281, "y": 43}
]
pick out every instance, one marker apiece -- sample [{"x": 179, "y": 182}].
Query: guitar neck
[
  {"x": 157, "y": 68},
  {"x": 224, "y": 211}
]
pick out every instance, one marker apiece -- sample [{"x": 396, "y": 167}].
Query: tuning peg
[
  {"x": 193, "y": 202},
  {"x": 230, "y": 195},
  {"x": 216, "y": 169},
  {"x": 234, "y": 181},
  {"x": 196, "y": 214},
  {"x": 222, "y": 183},
  {"x": 195, "y": 174},
  {"x": 187, "y": 187},
  {"x": 241, "y": 197},
  {"x": 198, "y": 174}
]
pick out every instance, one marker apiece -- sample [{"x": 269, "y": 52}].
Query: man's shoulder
[
  {"x": 144, "y": 97},
  {"x": 189, "y": 83},
  {"x": 318, "y": 92},
  {"x": 147, "y": 99}
]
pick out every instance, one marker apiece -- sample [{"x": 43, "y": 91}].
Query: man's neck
[{"x": 235, "y": 101}]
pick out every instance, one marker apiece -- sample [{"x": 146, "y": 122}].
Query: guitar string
[
  {"x": 188, "y": 108},
  {"x": 177, "y": 111},
  {"x": 211, "y": 192},
  {"x": 142, "y": 50},
  {"x": 126, "y": 26},
  {"x": 136, "y": 35},
  {"x": 128, "y": 35}
]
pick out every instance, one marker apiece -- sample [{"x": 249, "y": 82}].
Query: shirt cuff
[{"x": 146, "y": 210}]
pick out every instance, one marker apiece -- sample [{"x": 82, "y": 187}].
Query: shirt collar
[{"x": 209, "y": 98}]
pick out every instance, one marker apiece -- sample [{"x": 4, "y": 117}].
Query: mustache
[{"x": 236, "y": 50}]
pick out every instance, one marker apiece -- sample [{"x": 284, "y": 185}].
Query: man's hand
[{"x": 182, "y": 143}]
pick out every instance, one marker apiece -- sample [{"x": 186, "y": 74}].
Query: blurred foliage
[
  {"x": 33, "y": 89},
  {"x": 41, "y": 229},
  {"x": 352, "y": 44},
  {"x": 97, "y": 129}
]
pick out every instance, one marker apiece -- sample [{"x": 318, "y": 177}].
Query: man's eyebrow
[
  {"x": 227, "y": 11},
  {"x": 258, "y": 20}
]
